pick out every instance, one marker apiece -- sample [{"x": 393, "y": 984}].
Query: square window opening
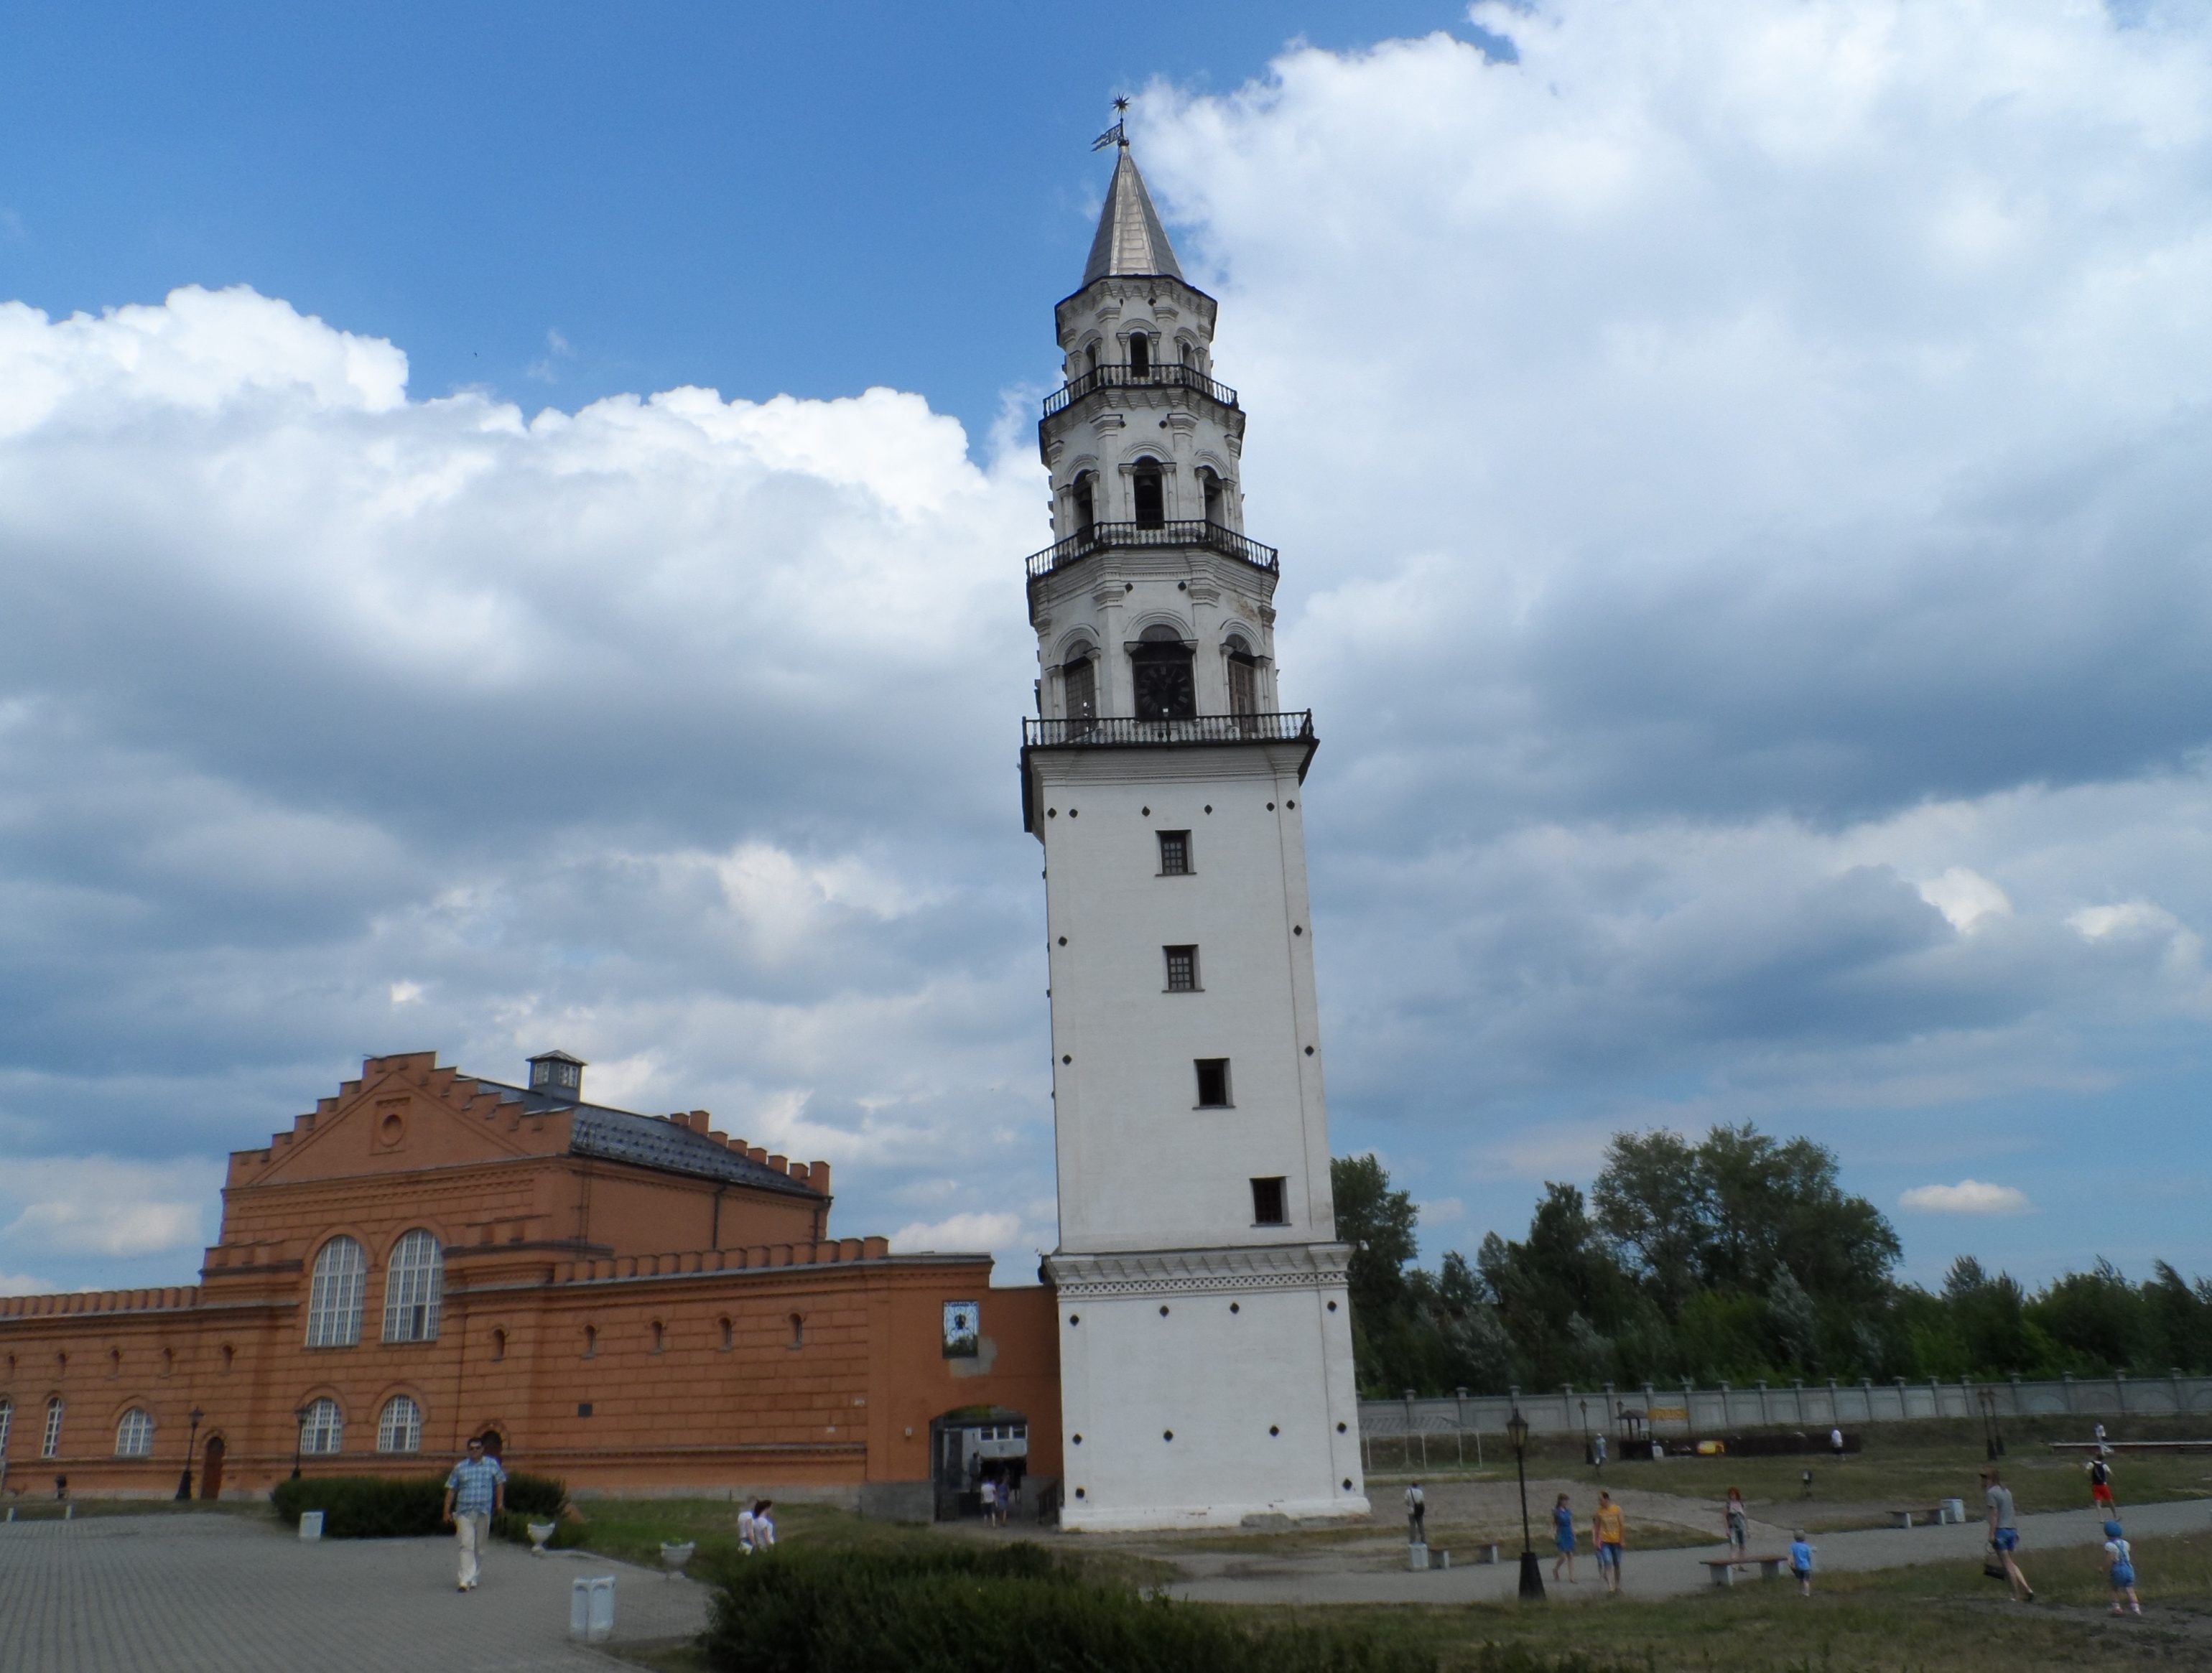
[
  {"x": 1182, "y": 969},
  {"x": 1175, "y": 853},
  {"x": 1267, "y": 1203},
  {"x": 1212, "y": 1084}
]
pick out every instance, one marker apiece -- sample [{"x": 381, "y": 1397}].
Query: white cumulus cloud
[{"x": 1968, "y": 1197}]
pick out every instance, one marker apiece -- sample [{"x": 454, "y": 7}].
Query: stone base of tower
[{"x": 1202, "y": 1386}]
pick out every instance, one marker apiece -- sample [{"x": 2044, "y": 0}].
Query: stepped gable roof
[
  {"x": 1131, "y": 240},
  {"x": 647, "y": 1141}
]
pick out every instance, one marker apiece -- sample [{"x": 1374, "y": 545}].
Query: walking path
[
  {"x": 1322, "y": 1576},
  {"x": 222, "y": 1594}
]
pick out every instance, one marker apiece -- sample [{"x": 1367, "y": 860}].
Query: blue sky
[
  {"x": 1739, "y": 477},
  {"x": 753, "y": 197}
]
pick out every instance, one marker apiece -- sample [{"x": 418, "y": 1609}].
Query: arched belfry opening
[
  {"x": 1082, "y": 500},
  {"x": 1161, "y": 671},
  {"x": 1140, "y": 354},
  {"x": 1148, "y": 494},
  {"x": 1216, "y": 492}
]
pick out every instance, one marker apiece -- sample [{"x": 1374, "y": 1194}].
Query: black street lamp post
[
  {"x": 1532, "y": 1577},
  {"x": 299, "y": 1437},
  {"x": 184, "y": 1480}
]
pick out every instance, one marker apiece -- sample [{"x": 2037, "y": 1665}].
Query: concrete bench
[
  {"x": 1934, "y": 1514},
  {"x": 1723, "y": 1569}
]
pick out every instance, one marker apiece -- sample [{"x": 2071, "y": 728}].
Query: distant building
[
  {"x": 623, "y": 1300},
  {"x": 1205, "y": 1331}
]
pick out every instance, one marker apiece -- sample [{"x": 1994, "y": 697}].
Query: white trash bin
[{"x": 591, "y": 1608}]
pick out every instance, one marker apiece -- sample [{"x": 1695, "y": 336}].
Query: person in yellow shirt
[{"x": 1608, "y": 1531}]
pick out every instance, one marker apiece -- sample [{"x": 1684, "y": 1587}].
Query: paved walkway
[
  {"x": 1322, "y": 1577},
  {"x": 222, "y": 1594}
]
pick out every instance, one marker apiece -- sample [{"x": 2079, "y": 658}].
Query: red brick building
[{"x": 623, "y": 1301}]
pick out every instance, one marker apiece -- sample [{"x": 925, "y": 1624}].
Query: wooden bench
[{"x": 1723, "y": 1569}]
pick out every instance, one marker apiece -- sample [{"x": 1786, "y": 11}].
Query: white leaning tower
[{"x": 1205, "y": 1332}]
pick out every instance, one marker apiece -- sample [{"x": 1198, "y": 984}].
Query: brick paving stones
[{"x": 222, "y": 1594}]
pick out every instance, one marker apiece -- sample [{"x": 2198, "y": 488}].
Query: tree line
[{"x": 1734, "y": 1259}]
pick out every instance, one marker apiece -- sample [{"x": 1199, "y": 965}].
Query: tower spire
[{"x": 1131, "y": 240}]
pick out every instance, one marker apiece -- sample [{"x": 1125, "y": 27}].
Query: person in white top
[
  {"x": 1417, "y": 1515},
  {"x": 764, "y": 1524},
  {"x": 747, "y": 1529}
]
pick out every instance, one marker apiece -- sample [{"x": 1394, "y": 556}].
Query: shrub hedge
[
  {"x": 1003, "y": 1610},
  {"x": 403, "y": 1506},
  {"x": 365, "y": 1507}
]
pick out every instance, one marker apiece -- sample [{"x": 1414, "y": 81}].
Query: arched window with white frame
[
  {"x": 334, "y": 1297},
  {"x": 414, "y": 1283},
  {"x": 50, "y": 1444},
  {"x": 399, "y": 1426},
  {"x": 7, "y": 1424},
  {"x": 322, "y": 1431},
  {"x": 134, "y": 1435}
]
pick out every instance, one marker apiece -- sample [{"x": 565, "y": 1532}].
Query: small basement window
[
  {"x": 1182, "y": 969},
  {"x": 1267, "y": 1203},
  {"x": 1212, "y": 1084},
  {"x": 1175, "y": 853}
]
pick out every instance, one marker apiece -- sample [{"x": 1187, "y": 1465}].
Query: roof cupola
[{"x": 557, "y": 1075}]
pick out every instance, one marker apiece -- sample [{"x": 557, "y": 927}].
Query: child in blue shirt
[
  {"x": 2120, "y": 1568},
  {"x": 1801, "y": 1563}
]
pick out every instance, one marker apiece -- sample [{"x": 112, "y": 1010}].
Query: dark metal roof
[
  {"x": 647, "y": 1141},
  {"x": 1130, "y": 239}
]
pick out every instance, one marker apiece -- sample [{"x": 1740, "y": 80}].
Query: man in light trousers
[{"x": 474, "y": 1495}]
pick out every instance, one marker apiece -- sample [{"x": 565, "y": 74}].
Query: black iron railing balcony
[
  {"x": 1173, "y": 375},
  {"x": 1188, "y": 531},
  {"x": 1108, "y": 731}
]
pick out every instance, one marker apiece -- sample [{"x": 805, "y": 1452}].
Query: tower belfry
[{"x": 1205, "y": 1331}]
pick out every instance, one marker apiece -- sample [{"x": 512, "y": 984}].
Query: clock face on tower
[{"x": 1165, "y": 689}]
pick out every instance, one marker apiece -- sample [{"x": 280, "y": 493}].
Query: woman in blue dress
[{"x": 1563, "y": 1535}]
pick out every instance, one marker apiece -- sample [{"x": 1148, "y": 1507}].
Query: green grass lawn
[
  {"x": 1905, "y": 1465},
  {"x": 1933, "y": 1618}
]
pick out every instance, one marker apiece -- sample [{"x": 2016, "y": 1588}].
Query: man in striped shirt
[{"x": 473, "y": 1495}]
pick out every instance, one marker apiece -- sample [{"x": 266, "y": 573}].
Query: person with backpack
[
  {"x": 2120, "y": 1568},
  {"x": 2101, "y": 1483}
]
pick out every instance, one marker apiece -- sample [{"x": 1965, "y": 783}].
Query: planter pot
[
  {"x": 673, "y": 1557},
  {"x": 539, "y": 1532}
]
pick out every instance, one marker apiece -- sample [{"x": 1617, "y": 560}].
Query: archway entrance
[
  {"x": 211, "y": 1469},
  {"x": 970, "y": 1446}
]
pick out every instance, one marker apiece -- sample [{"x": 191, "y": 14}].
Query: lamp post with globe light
[{"x": 1531, "y": 1578}]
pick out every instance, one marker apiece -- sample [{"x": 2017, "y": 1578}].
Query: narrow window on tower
[
  {"x": 1090, "y": 358},
  {"x": 1084, "y": 493},
  {"x": 1212, "y": 1084},
  {"x": 1267, "y": 1203},
  {"x": 1175, "y": 853},
  {"x": 1148, "y": 498},
  {"x": 1244, "y": 677},
  {"x": 1140, "y": 354},
  {"x": 1079, "y": 681},
  {"x": 1182, "y": 969},
  {"x": 1209, "y": 484}
]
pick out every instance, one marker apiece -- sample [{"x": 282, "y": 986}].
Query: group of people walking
[{"x": 1608, "y": 1538}]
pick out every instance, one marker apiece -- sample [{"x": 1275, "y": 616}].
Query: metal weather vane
[{"x": 1118, "y": 134}]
